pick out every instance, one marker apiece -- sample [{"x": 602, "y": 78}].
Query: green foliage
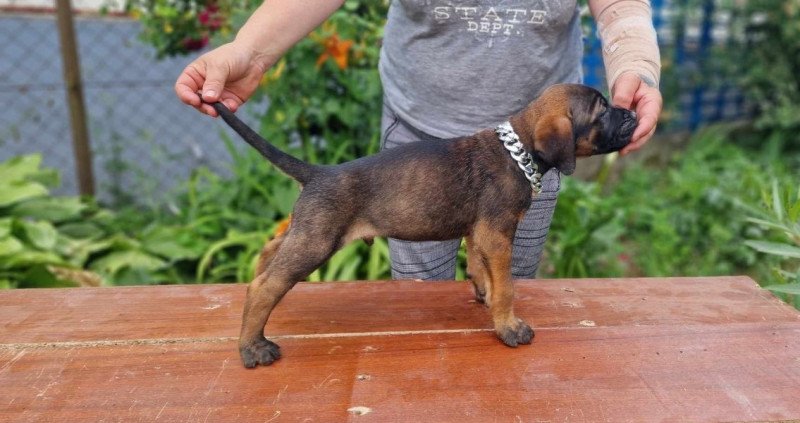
[
  {"x": 779, "y": 214},
  {"x": 770, "y": 46},
  {"x": 53, "y": 241},
  {"x": 216, "y": 226},
  {"x": 585, "y": 235},
  {"x": 688, "y": 219},
  {"x": 686, "y": 216}
]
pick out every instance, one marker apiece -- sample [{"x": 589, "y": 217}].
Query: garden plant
[{"x": 728, "y": 203}]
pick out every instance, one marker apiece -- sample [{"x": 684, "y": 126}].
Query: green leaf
[
  {"x": 16, "y": 192},
  {"x": 173, "y": 243},
  {"x": 343, "y": 263},
  {"x": 774, "y": 248},
  {"x": 46, "y": 177},
  {"x": 19, "y": 168},
  {"x": 53, "y": 209},
  {"x": 121, "y": 242},
  {"x": 82, "y": 230},
  {"x": 777, "y": 205},
  {"x": 136, "y": 276},
  {"x": 255, "y": 239},
  {"x": 378, "y": 261},
  {"x": 26, "y": 258},
  {"x": 77, "y": 251},
  {"x": 5, "y": 226},
  {"x": 9, "y": 245},
  {"x": 114, "y": 262},
  {"x": 768, "y": 224},
  {"x": 792, "y": 288},
  {"x": 39, "y": 234}
]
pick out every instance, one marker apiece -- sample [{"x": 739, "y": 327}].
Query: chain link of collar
[{"x": 524, "y": 159}]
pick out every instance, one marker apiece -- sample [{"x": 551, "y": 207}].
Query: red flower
[
  {"x": 191, "y": 44},
  {"x": 211, "y": 18}
]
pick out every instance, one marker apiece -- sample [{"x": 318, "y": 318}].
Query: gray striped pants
[{"x": 436, "y": 260}]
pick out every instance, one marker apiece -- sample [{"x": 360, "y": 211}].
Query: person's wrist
[{"x": 261, "y": 57}]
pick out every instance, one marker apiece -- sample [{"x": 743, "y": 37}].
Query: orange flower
[{"x": 336, "y": 49}]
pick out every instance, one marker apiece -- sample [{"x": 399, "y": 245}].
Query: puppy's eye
[
  {"x": 601, "y": 108},
  {"x": 601, "y": 112}
]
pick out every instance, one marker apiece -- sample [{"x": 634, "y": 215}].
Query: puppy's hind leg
[
  {"x": 268, "y": 253},
  {"x": 271, "y": 247},
  {"x": 297, "y": 255}
]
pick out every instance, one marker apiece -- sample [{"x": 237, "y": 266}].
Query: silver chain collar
[{"x": 524, "y": 160}]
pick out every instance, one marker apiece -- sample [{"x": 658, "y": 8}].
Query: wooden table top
[{"x": 660, "y": 349}]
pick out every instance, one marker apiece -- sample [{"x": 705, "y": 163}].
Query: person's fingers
[
  {"x": 646, "y": 125},
  {"x": 637, "y": 143},
  {"x": 231, "y": 101},
  {"x": 624, "y": 90},
  {"x": 207, "y": 109},
  {"x": 631, "y": 93},
  {"x": 648, "y": 107},
  {"x": 186, "y": 87},
  {"x": 216, "y": 76}
]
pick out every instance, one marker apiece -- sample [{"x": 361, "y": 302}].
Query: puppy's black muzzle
[
  {"x": 628, "y": 126},
  {"x": 623, "y": 122}
]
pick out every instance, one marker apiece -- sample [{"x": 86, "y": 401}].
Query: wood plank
[
  {"x": 202, "y": 311},
  {"x": 707, "y": 372},
  {"x": 58, "y": 315}
]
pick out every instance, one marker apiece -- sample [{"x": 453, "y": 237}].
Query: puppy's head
[{"x": 569, "y": 121}]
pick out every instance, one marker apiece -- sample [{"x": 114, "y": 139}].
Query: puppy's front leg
[
  {"x": 476, "y": 272},
  {"x": 496, "y": 247}
]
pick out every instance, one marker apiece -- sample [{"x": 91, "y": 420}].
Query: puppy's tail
[{"x": 296, "y": 168}]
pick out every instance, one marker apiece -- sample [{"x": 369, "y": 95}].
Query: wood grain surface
[{"x": 676, "y": 349}]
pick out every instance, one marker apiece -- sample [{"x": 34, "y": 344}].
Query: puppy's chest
[{"x": 501, "y": 186}]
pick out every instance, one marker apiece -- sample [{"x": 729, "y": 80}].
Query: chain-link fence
[{"x": 144, "y": 141}]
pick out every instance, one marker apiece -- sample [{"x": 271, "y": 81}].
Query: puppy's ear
[{"x": 555, "y": 142}]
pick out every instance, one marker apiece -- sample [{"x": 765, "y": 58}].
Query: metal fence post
[{"x": 74, "y": 89}]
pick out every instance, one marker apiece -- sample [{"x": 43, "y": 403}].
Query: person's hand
[
  {"x": 229, "y": 73},
  {"x": 632, "y": 93}
]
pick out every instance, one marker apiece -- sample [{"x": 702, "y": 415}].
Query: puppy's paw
[
  {"x": 261, "y": 351},
  {"x": 513, "y": 335}
]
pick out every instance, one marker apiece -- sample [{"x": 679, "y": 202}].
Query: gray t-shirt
[{"x": 452, "y": 67}]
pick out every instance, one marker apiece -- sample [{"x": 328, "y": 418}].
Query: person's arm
[
  {"x": 632, "y": 61},
  {"x": 231, "y": 72}
]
